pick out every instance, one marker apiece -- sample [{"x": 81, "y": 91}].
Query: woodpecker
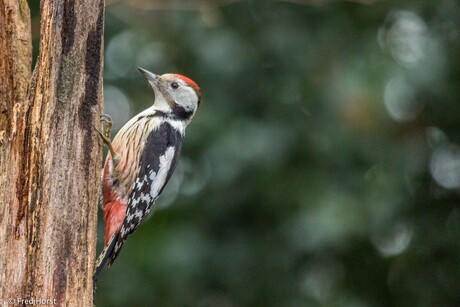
[{"x": 142, "y": 157}]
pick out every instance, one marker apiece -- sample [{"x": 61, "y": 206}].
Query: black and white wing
[{"x": 156, "y": 166}]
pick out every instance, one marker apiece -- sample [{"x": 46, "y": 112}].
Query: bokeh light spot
[
  {"x": 117, "y": 105},
  {"x": 121, "y": 51},
  {"x": 406, "y": 37},
  {"x": 445, "y": 166},
  {"x": 394, "y": 240},
  {"x": 399, "y": 99}
]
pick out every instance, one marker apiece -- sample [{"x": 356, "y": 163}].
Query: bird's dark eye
[{"x": 174, "y": 85}]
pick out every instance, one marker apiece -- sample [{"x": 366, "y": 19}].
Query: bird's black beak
[{"x": 149, "y": 75}]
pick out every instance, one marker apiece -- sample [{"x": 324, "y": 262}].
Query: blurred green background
[{"x": 323, "y": 166}]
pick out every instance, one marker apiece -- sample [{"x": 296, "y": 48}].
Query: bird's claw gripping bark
[
  {"x": 106, "y": 121},
  {"x": 105, "y": 136},
  {"x": 106, "y": 125}
]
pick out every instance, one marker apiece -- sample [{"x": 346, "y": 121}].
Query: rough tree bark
[{"x": 50, "y": 155}]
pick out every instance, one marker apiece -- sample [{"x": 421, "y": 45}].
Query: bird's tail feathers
[{"x": 105, "y": 256}]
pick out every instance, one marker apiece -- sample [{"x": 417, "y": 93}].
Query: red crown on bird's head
[{"x": 190, "y": 82}]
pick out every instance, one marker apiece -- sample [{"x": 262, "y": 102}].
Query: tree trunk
[{"x": 50, "y": 155}]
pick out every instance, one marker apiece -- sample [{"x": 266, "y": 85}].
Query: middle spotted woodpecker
[{"x": 142, "y": 157}]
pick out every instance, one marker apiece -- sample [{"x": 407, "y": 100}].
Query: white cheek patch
[{"x": 186, "y": 97}]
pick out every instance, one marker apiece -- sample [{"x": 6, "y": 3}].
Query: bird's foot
[
  {"x": 105, "y": 135},
  {"x": 106, "y": 121}
]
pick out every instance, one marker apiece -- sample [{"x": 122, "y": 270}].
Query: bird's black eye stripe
[{"x": 174, "y": 85}]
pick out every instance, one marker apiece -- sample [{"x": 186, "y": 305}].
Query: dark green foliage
[{"x": 322, "y": 168}]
